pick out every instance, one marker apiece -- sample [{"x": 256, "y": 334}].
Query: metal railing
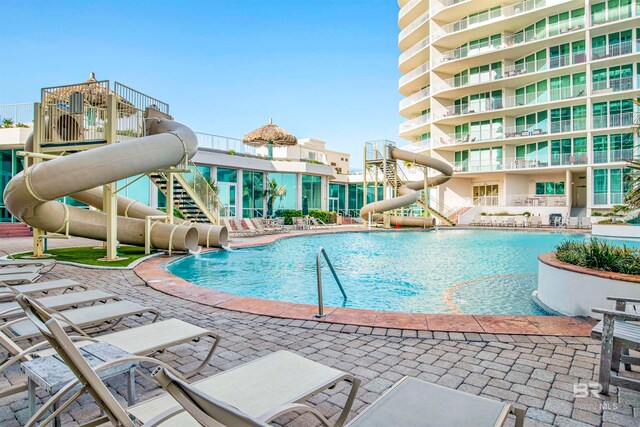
[
  {"x": 321, "y": 251},
  {"x": 407, "y": 7},
  {"x": 612, "y": 50},
  {"x": 536, "y": 200},
  {"x": 415, "y": 24},
  {"x": 611, "y": 156},
  {"x": 616, "y": 85},
  {"x": 18, "y": 114},
  {"x": 415, "y": 98},
  {"x": 614, "y": 14},
  {"x": 614, "y": 120},
  {"x": 414, "y": 123},
  {"x": 417, "y": 146},
  {"x": 206, "y": 193},
  {"x": 415, "y": 73},
  {"x": 138, "y": 99},
  {"x": 223, "y": 143},
  {"x": 421, "y": 45}
]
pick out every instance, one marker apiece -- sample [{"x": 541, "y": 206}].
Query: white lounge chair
[
  {"x": 8, "y": 292},
  {"x": 573, "y": 222},
  {"x": 59, "y": 302},
  {"x": 584, "y": 222},
  {"x": 266, "y": 388}
]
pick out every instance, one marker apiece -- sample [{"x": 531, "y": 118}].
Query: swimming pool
[{"x": 446, "y": 271}]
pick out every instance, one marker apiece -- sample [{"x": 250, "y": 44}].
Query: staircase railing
[{"x": 205, "y": 192}]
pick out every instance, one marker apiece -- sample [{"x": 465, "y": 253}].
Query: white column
[
  {"x": 298, "y": 191},
  {"x": 239, "y": 193},
  {"x": 568, "y": 187}
]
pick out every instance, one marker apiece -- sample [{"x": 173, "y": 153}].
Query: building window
[
  {"x": 613, "y": 148},
  {"x": 610, "y": 185},
  {"x": 549, "y": 188},
  {"x": 289, "y": 182},
  {"x": 252, "y": 194},
  {"x": 312, "y": 190},
  {"x": 337, "y": 198}
]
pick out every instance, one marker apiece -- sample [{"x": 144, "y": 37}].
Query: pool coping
[{"x": 155, "y": 273}]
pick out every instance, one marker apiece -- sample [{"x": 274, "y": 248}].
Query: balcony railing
[
  {"x": 468, "y": 138},
  {"x": 416, "y": 97},
  {"x": 504, "y": 12},
  {"x": 612, "y": 50},
  {"x": 614, "y": 85},
  {"x": 422, "y": 44},
  {"x": 607, "y": 198},
  {"x": 414, "y": 123},
  {"x": 613, "y": 120},
  {"x": 415, "y": 24},
  {"x": 504, "y": 42},
  {"x": 573, "y": 125},
  {"x": 536, "y": 200},
  {"x": 552, "y": 160},
  {"x": 222, "y": 143},
  {"x": 18, "y": 114},
  {"x": 415, "y": 73},
  {"x": 407, "y": 7},
  {"x": 614, "y": 14},
  {"x": 417, "y": 146},
  {"x": 486, "y": 105},
  {"x": 611, "y": 156}
]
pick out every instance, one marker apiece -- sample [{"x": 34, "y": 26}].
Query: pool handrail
[{"x": 321, "y": 251}]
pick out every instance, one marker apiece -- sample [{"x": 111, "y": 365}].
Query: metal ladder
[{"x": 321, "y": 251}]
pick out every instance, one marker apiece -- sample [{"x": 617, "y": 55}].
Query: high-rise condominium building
[{"x": 531, "y": 101}]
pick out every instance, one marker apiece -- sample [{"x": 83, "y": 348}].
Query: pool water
[{"x": 446, "y": 271}]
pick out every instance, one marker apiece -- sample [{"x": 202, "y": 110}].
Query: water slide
[
  {"x": 408, "y": 192},
  {"x": 32, "y": 196}
]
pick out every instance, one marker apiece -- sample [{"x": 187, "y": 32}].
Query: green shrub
[
  {"x": 600, "y": 255},
  {"x": 596, "y": 214},
  {"x": 324, "y": 216}
]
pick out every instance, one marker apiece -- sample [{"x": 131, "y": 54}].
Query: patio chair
[
  {"x": 40, "y": 287},
  {"x": 298, "y": 223},
  {"x": 58, "y": 302},
  {"x": 535, "y": 221},
  {"x": 584, "y": 222},
  {"x": 519, "y": 222},
  {"x": 251, "y": 227},
  {"x": 316, "y": 223},
  {"x": 510, "y": 222},
  {"x": 92, "y": 319},
  {"x": 475, "y": 221},
  {"x": 241, "y": 228},
  {"x": 572, "y": 222},
  {"x": 40, "y": 265},
  {"x": 145, "y": 340},
  {"x": 619, "y": 332},
  {"x": 20, "y": 275},
  {"x": 266, "y": 229},
  {"x": 264, "y": 389}
]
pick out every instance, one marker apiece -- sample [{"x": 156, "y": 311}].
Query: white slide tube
[
  {"x": 31, "y": 196},
  {"x": 408, "y": 192}
]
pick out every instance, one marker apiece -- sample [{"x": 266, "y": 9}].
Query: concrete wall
[
  {"x": 13, "y": 137},
  {"x": 613, "y": 230}
]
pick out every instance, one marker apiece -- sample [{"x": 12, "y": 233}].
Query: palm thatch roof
[
  {"x": 269, "y": 134},
  {"x": 95, "y": 94}
]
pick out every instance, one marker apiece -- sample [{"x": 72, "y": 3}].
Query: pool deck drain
[{"x": 154, "y": 272}]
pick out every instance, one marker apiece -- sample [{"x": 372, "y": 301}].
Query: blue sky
[{"x": 324, "y": 69}]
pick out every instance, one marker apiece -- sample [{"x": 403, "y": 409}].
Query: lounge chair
[
  {"x": 60, "y": 302},
  {"x": 257, "y": 222},
  {"x": 316, "y": 223},
  {"x": 91, "y": 319},
  {"x": 573, "y": 222},
  {"x": 20, "y": 278},
  {"x": 47, "y": 264},
  {"x": 144, "y": 340},
  {"x": 251, "y": 226},
  {"x": 40, "y": 287},
  {"x": 619, "y": 332},
  {"x": 241, "y": 228},
  {"x": 535, "y": 221},
  {"x": 584, "y": 222},
  {"x": 266, "y": 388},
  {"x": 510, "y": 222},
  {"x": 18, "y": 270},
  {"x": 519, "y": 222}
]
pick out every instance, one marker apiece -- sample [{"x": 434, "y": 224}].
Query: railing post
[{"x": 319, "y": 277}]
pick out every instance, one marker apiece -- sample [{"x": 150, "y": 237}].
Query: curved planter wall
[
  {"x": 609, "y": 230},
  {"x": 574, "y": 291}
]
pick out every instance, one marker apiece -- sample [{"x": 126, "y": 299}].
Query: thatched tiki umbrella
[
  {"x": 270, "y": 135},
  {"x": 94, "y": 94}
]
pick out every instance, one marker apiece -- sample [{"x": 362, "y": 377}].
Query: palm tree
[
  {"x": 633, "y": 195},
  {"x": 7, "y": 123},
  {"x": 272, "y": 192}
]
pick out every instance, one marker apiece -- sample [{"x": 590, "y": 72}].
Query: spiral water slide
[
  {"x": 32, "y": 196},
  {"x": 408, "y": 192}
]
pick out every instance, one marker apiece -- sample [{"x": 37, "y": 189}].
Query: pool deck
[
  {"x": 154, "y": 272},
  {"x": 536, "y": 373}
]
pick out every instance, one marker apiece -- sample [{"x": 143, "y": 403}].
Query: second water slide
[
  {"x": 32, "y": 196},
  {"x": 408, "y": 192}
]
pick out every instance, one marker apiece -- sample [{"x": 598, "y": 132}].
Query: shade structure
[
  {"x": 94, "y": 93},
  {"x": 270, "y": 135}
]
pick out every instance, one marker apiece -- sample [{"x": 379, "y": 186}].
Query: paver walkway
[{"x": 536, "y": 372}]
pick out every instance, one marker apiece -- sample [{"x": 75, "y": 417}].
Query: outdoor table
[{"x": 52, "y": 374}]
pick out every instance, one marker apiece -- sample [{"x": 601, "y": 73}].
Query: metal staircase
[
  {"x": 193, "y": 195},
  {"x": 391, "y": 175}
]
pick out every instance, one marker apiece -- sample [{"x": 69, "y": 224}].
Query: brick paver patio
[{"x": 535, "y": 372}]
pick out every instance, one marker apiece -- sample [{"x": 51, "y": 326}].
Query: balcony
[
  {"x": 536, "y": 200},
  {"x": 470, "y": 138},
  {"x": 224, "y": 144},
  {"x": 417, "y": 146},
  {"x": 572, "y": 159},
  {"x": 613, "y": 85},
  {"x": 511, "y": 71},
  {"x": 412, "y": 124},
  {"x": 422, "y": 45},
  {"x": 415, "y": 98},
  {"x": 613, "y": 156},
  {"x": 612, "y": 50},
  {"x": 410, "y": 11},
  {"x": 415, "y": 73},
  {"x": 481, "y": 18},
  {"x": 420, "y": 20},
  {"x": 516, "y": 101},
  {"x": 614, "y": 120},
  {"x": 613, "y": 15},
  {"x": 505, "y": 42}
]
